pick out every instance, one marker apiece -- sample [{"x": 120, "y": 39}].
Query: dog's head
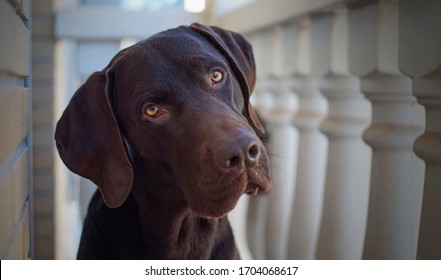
[{"x": 172, "y": 111}]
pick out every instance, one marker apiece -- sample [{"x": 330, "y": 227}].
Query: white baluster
[
  {"x": 258, "y": 205},
  {"x": 307, "y": 207},
  {"x": 262, "y": 101},
  {"x": 397, "y": 174},
  {"x": 348, "y": 166},
  {"x": 276, "y": 106},
  {"x": 238, "y": 222},
  {"x": 283, "y": 148},
  {"x": 420, "y": 49}
]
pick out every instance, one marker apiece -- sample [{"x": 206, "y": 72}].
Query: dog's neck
[{"x": 171, "y": 230}]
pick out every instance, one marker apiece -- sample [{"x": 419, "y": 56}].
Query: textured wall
[{"x": 15, "y": 134}]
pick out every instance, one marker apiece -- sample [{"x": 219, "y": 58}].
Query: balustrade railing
[{"x": 356, "y": 164}]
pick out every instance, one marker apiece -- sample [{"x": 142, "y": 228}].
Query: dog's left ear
[{"x": 239, "y": 54}]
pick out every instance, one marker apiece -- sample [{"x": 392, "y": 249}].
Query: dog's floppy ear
[
  {"x": 89, "y": 141},
  {"x": 239, "y": 54}
]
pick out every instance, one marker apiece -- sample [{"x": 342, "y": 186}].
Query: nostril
[
  {"x": 253, "y": 152},
  {"x": 229, "y": 157},
  {"x": 234, "y": 161}
]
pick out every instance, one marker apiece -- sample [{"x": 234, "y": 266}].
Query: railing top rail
[{"x": 264, "y": 13}]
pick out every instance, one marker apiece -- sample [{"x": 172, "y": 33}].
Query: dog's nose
[{"x": 236, "y": 154}]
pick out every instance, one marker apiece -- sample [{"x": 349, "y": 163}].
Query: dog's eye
[
  {"x": 152, "y": 110},
  {"x": 216, "y": 76}
]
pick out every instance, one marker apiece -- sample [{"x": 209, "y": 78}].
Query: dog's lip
[
  {"x": 252, "y": 189},
  {"x": 230, "y": 192},
  {"x": 258, "y": 182}
]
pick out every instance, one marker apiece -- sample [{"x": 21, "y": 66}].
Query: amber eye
[
  {"x": 216, "y": 76},
  {"x": 152, "y": 110}
]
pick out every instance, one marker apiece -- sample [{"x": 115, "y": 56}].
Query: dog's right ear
[{"x": 90, "y": 143}]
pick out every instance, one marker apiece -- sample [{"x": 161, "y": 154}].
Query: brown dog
[{"x": 168, "y": 134}]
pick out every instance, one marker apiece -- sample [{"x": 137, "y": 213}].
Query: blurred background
[{"x": 349, "y": 90}]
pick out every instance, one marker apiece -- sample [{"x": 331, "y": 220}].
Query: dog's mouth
[
  {"x": 252, "y": 189},
  {"x": 257, "y": 188},
  {"x": 259, "y": 180},
  {"x": 250, "y": 181},
  {"x": 220, "y": 194}
]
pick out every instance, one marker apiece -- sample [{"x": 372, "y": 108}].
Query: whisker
[
  {"x": 277, "y": 168},
  {"x": 271, "y": 155},
  {"x": 276, "y": 159}
]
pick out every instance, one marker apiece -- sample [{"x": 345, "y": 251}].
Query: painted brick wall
[
  {"x": 15, "y": 134},
  {"x": 43, "y": 144}
]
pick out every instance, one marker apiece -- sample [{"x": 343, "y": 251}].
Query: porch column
[
  {"x": 397, "y": 174},
  {"x": 348, "y": 166},
  {"x": 420, "y": 50},
  {"x": 68, "y": 219},
  {"x": 307, "y": 207}
]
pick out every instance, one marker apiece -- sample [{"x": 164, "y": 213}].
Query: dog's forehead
[
  {"x": 175, "y": 54},
  {"x": 176, "y": 46},
  {"x": 181, "y": 38}
]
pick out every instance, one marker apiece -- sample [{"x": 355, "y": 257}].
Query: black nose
[{"x": 234, "y": 155}]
